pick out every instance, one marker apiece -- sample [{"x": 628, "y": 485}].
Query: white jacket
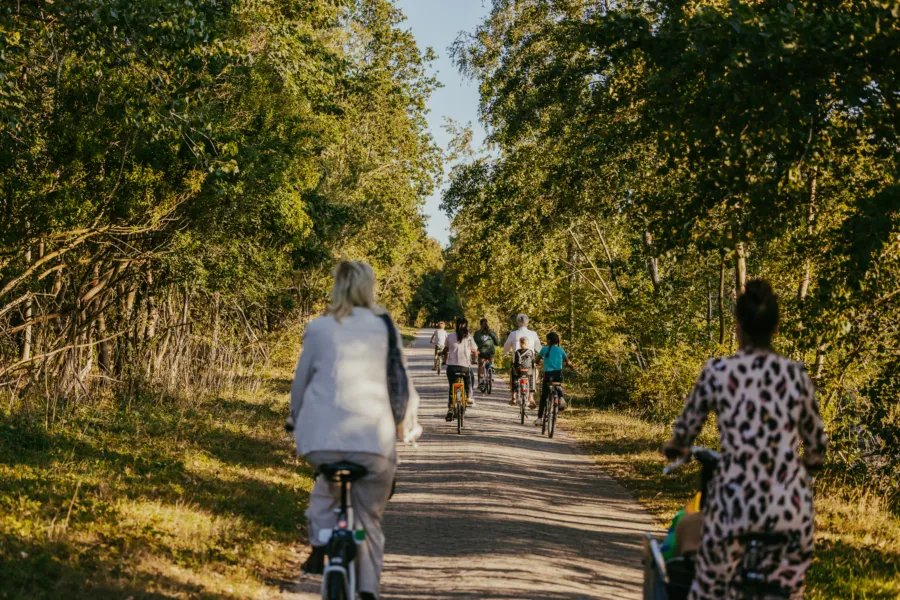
[
  {"x": 339, "y": 399},
  {"x": 512, "y": 342}
]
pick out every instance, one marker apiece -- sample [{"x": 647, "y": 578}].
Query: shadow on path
[{"x": 503, "y": 512}]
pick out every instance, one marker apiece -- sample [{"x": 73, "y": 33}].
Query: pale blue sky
[{"x": 436, "y": 23}]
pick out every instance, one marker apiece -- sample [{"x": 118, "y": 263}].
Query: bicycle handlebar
[{"x": 701, "y": 454}]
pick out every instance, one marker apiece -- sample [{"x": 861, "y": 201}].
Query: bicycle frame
[
  {"x": 459, "y": 395},
  {"x": 459, "y": 401},
  {"x": 551, "y": 410},
  {"x": 487, "y": 369},
  {"x": 438, "y": 358},
  {"x": 522, "y": 391},
  {"x": 341, "y": 558}
]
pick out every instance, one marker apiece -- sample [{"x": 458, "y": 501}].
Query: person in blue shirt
[{"x": 553, "y": 357}]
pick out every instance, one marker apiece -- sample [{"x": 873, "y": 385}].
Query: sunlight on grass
[
  {"x": 200, "y": 499},
  {"x": 858, "y": 543}
]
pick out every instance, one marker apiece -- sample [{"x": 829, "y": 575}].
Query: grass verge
[
  {"x": 409, "y": 335},
  {"x": 858, "y": 545},
  {"x": 200, "y": 499}
]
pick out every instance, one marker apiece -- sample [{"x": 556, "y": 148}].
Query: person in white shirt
[
  {"x": 341, "y": 410},
  {"x": 512, "y": 344},
  {"x": 439, "y": 339},
  {"x": 460, "y": 350}
]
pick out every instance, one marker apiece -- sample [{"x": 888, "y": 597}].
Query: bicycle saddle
[
  {"x": 343, "y": 471},
  {"x": 764, "y": 538}
]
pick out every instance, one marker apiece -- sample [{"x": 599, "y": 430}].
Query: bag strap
[{"x": 392, "y": 334}]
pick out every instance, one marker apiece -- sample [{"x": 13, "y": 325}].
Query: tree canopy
[
  {"x": 181, "y": 174},
  {"x": 651, "y": 156}
]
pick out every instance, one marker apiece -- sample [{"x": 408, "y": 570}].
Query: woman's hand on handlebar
[{"x": 673, "y": 451}]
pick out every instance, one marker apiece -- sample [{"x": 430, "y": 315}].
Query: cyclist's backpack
[{"x": 397, "y": 381}]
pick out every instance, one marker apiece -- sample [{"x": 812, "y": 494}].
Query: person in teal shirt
[{"x": 554, "y": 358}]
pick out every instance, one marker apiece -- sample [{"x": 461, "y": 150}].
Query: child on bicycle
[
  {"x": 523, "y": 362},
  {"x": 439, "y": 339},
  {"x": 553, "y": 357}
]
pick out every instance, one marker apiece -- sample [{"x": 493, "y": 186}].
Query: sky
[{"x": 436, "y": 23}]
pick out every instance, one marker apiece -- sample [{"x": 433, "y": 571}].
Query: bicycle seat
[
  {"x": 343, "y": 471},
  {"x": 556, "y": 383},
  {"x": 764, "y": 538}
]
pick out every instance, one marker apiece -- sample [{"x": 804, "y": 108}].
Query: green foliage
[
  {"x": 646, "y": 152},
  {"x": 171, "y": 170}
]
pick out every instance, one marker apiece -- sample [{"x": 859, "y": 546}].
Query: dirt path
[{"x": 502, "y": 512}]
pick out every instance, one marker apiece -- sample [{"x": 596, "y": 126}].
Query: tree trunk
[
  {"x": 709, "y": 309},
  {"x": 29, "y": 314},
  {"x": 819, "y": 365},
  {"x": 722, "y": 272},
  {"x": 807, "y": 266},
  {"x": 152, "y": 312},
  {"x": 740, "y": 264},
  {"x": 653, "y": 262},
  {"x": 103, "y": 352},
  {"x": 573, "y": 259},
  {"x": 611, "y": 298},
  {"x": 609, "y": 258}
]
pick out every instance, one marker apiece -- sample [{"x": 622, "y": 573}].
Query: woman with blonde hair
[{"x": 341, "y": 411}]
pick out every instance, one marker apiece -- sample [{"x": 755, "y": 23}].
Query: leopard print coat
[{"x": 765, "y": 406}]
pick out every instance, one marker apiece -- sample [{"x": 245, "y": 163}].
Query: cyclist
[
  {"x": 341, "y": 410},
  {"x": 524, "y": 361},
  {"x": 439, "y": 339},
  {"x": 459, "y": 352},
  {"x": 553, "y": 357},
  {"x": 512, "y": 345},
  {"x": 487, "y": 343},
  {"x": 765, "y": 406}
]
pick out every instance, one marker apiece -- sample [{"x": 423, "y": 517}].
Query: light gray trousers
[{"x": 368, "y": 497}]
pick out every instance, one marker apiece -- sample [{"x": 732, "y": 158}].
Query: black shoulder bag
[{"x": 397, "y": 380}]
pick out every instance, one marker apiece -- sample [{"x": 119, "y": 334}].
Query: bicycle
[
  {"x": 551, "y": 410},
  {"x": 487, "y": 385},
  {"x": 671, "y": 580},
  {"x": 522, "y": 392},
  {"x": 460, "y": 401},
  {"x": 339, "y": 576},
  {"x": 438, "y": 358}
]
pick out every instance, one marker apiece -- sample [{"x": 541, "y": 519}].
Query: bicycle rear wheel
[
  {"x": 335, "y": 587},
  {"x": 460, "y": 411},
  {"x": 551, "y": 421},
  {"x": 522, "y": 407}
]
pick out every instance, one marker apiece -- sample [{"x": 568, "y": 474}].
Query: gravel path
[{"x": 502, "y": 511}]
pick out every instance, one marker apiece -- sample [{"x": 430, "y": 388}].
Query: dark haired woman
[
  {"x": 459, "y": 352},
  {"x": 765, "y": 406}
]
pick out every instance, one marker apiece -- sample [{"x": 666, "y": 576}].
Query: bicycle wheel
[
  {"x": 460, "y": 412},
  {"x": 522, "y": 407},
  {"x": 335, "y": 587},
  {"x": 551, "y": 421},
  {"x": 544, "y": 420},
  {"x": 489, "y": 384}
]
